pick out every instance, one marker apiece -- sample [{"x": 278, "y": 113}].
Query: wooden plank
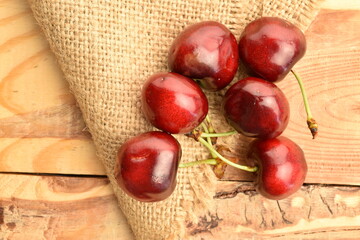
[
  {"x": 331, "y": 73},
  {"x": 38, "y": 155},
  {"x": 38, "y": 114},
  {"x": 341, "y": 5},
  {"x": 48, "y": 207},
  {"x": 314, "y": 212}
]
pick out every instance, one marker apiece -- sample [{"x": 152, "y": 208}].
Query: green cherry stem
[
  {"x": 206, "y": 130},
  {"x": 203, "y": 125},
  {"x": 208, "y": 125},
  {"x": 213, "y": 151},
  {"x": 312, "y": 125},
  {"x": 224, "y": 134},
  {"x": 211, "y": 129},
  {"x": 210, "y": 161}
]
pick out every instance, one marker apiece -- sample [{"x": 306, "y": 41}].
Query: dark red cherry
[
  {"x": 269, "y": 47},
  {"x": 206, "y": 51},
  {"x": 146, "y": 166},
  {"x": 282, "y": 167},
  {"x": 173, "y": 103},
  {"x": 256, "y": 108}
]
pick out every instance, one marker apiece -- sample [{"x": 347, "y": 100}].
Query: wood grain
[
  {"x": 314, "y": 212},
  {"x": 45, "y": 207},
  {"x": 48, "y": 207},
  {"x": 37, "y": 155},
  {"x": 38, "y": 114}
]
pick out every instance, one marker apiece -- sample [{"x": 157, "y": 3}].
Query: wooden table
[{"x": 53, "y": 187}]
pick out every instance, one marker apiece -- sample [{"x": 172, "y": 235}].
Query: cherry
[
  {"x": 269, "y": 47},
  {"x": 256, "y": 108},
  {"x": 282, "y": 166},
  {"x": 147, "y": 164},
  {"x": 173, "y": 103},
  {"x": 206, "y": 51}
]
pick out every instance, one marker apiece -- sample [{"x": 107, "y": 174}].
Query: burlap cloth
[{"x": 107, "y": 49}]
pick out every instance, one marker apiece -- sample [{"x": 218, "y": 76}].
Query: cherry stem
[
  {"x": 224, "y": 134},
  {"x": 311, "y": 122},
  {"x": 211, "y": 129},
  {"x": 206, "y": 130},
  {"x": 213, "y": 151},
  {"x": 210, "y": 161}
]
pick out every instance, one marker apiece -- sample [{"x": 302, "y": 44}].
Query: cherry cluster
[{"x": 206, "y": 56}]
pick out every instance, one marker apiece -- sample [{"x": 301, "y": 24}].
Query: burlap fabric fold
[{"x": 108, "y": 48}]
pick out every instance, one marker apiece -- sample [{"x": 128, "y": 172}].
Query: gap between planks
[
  {"x": 104, "y": 176},
  {"x": 55, "y": 174}
]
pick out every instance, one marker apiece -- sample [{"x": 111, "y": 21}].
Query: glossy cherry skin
[
  {"x": 146, "y": 166},
  {"x": 269, "y": 47},
  {"x": 256, "y": 108},
  {"x": 282, "y": 167},
  {"x": 206, "y": 51},
  {"x": 173, "y": 103}
]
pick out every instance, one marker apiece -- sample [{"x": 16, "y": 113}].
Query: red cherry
[
  {"x": 256, "y": 108},
  {"x": 269, "y": 47},
  {"x": 206, "y": 51},
  {"x": 146, "y": 166},
  {"x": 282, "y": 167},
  {"x": 173, "y": 103}
]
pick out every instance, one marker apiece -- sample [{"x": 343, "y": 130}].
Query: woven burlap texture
[{"x": 107, "y": 49}]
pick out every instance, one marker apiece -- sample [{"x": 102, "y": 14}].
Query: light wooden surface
[
  {"x": 45, "y": 207},
  {"x": 42, "y": 132},
  {"x": 48, "y": 207}
]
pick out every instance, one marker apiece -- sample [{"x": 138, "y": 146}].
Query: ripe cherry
[
  {"x": 206, "y": 51},
  {"x": 256, "y": 108},
  {"x": 147, "y": 164},
  {"x": 173, "y": 103},
  {"x": 269, "y": 47},
  {"x": 282, "y": 167}
]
